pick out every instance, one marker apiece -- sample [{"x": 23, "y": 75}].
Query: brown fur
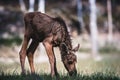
[{"x": 52, "y": 32}]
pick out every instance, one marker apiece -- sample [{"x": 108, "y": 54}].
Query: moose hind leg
[
  {"x": 22, "y": 53},
  {"x": 30, "y": 54}
]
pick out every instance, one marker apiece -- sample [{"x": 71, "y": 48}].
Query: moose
[{"x": 52, "y": 32}]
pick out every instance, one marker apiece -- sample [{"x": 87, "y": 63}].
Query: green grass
[
  {"x": 84, "y": 50},
  {"x": 109, "y": 49},
  {"x": 9, "y": 42},
  {"x": 94, "y": 76},
  {"x": 88, "y": 69}
]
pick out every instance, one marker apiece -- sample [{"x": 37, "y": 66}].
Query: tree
[
  {"x": 110, "y": 26},
  {"x": 31, "y": 5},
  {"x": 79, "y": 14},
  {"x": 93, "y": 28},
  {"x": 22, "y": 6},
  {"x": 41, "y": 6}
]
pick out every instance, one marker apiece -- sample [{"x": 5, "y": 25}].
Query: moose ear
[
  {"x": 63, "y": 47},
  {"x": 76, "y": 48}
]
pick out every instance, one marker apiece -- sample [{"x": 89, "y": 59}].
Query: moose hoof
[{"x": 23, "y": 73}]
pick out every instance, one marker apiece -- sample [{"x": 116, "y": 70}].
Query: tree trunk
[
  {"x": 22, "y": 6},
  {"x": 93, "y": 27},
  {"x": 80, "y": 16},
  {"x": 41, "y": 6},
  {"x": 31, "y": 5},
  {"x": 110, "y": 26}
]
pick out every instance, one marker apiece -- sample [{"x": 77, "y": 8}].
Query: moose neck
[
  {"x": 66, "y": 37},
  {"x": 64, "y": 33},
  {"x": 67, "y": 41},
  {"x": 67, "y": 46}
]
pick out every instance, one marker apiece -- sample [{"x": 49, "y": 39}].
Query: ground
[
  {"x": 107, "y": 67},
  {"x": 88, "y": 69}
]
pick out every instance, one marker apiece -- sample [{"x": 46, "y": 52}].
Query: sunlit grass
[{"x": 107, "y": 69}]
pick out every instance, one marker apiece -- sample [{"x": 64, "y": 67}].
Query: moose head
[{"x": 69, "y": 58}]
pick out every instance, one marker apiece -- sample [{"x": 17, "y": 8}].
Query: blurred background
[{"x": 95, "y": 24}]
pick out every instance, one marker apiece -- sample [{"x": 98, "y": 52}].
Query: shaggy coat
[{"x": 52, "y": 32}]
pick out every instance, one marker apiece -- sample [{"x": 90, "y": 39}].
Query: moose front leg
[
  {"x": 22, "y": 53},
  {"x": 30, "y": 54},
  {"x": 51, "y": 56}
]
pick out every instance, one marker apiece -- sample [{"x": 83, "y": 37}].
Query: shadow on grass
[{"x": 94, "y": 76}]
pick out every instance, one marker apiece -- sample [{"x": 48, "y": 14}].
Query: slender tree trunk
[
  {"x": 31, "y": 5},
  {"x": 79, "y": 14},
  {"x": 41, "y": 6},
  {"x": 110, "y": 25},
  {"x": 93, "y": 27},
  {"x": 22, "y": 6}
]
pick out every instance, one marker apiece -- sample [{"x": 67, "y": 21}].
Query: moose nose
[{"x": 73, "y": 73}]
